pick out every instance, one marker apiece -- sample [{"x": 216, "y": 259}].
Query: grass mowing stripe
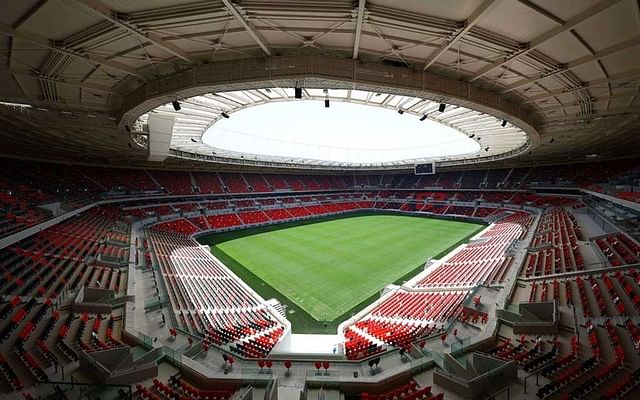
[{"x": 329, "y": 268}]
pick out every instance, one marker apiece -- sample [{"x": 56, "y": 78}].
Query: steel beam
[
  {"x": 482, "y": 10},
  {"x": 356, "y": 43},
  {"x": 103, "y": 11},
  {"x": 576, "y": 63},
  {"x": 634, "y": 73},
  {"x": 545, "y": 37},
  {"x": 236, "y": 14},
  {"x": 47, "y": 44}
]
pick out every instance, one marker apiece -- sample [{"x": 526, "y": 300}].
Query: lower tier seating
[
  {"x": 210, "y": 302},
  {"x": 401, "y": 318},
  {"x": 484, "y": 260}
]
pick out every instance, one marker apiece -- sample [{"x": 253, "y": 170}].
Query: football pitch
[{"x": 328, "y": 269}]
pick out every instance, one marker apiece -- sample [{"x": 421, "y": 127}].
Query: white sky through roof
[{"x": 345, "y": 132}]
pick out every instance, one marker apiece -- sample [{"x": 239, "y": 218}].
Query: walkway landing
[{"x": 307, "y": 343}]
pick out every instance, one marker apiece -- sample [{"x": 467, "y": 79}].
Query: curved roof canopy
[
  {"x": 573, "y": 65},
  {"x": 359, "y": 129}
]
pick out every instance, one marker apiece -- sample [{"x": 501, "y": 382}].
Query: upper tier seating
[
  {"x": 495, "y": 178},
  {"x": 234, "y": 183},
  {"x": 619, "y": 249},
  {"x": 276, "y": 182},
  {"x": 37, "y": 183},
  {"x": 30, "y": 184},
  {"x": 130, "y": 180},
  {"x": 16, "y": 216},
  {"x": 174, "y": 182},
  {"x": 472, "y": 179},
  {"x": 257, "y": 182},
  {"x": 294, "y": 182},
  {"x": 554, "y": 247},
  {"x": 208, "y": 182}
]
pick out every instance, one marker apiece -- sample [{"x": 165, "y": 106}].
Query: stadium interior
[{"x": 151, "y": 250}]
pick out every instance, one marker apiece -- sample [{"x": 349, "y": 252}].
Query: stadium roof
[
  {"x": 566, "y": 72},
  {"x": 199, "y": 115}
]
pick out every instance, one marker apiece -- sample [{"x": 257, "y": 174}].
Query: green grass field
[{"x": 328, "y": 269}]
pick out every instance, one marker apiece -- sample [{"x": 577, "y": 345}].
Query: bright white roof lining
[
  {"x": 345, "y": 132},
  {"x": 203, "y": 112}
]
